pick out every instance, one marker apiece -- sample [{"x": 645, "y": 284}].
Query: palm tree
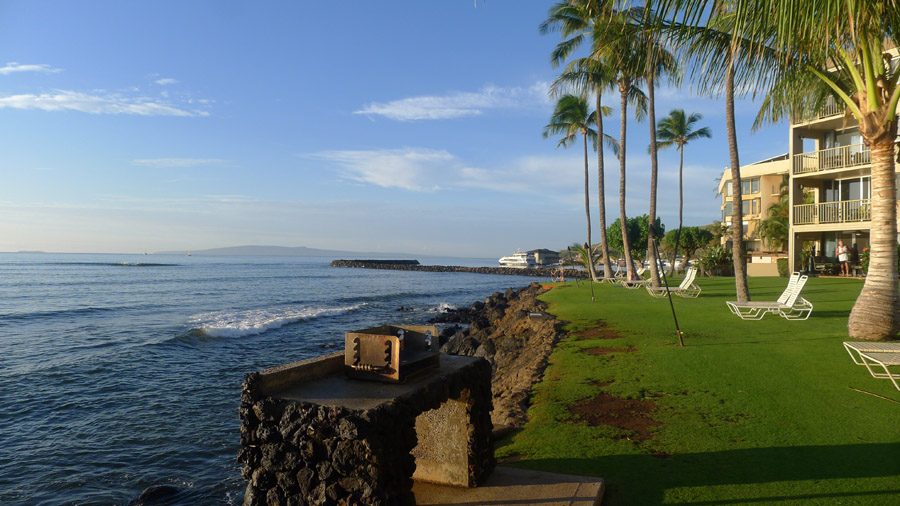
[
  {"x": 838, "y": 44},
  {"x": 586, "y": 75},
  {"x": 617, "y": 43},
  {"x": 575, "y": 20},
  {"x": 677, "y": 130},
  {"x": 571, "y": 117}
]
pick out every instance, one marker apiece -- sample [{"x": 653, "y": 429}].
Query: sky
[{"x": 404, "y": 126}]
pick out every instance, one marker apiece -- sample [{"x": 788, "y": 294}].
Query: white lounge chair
[
  {"x": 755, "y": 310},
  {"x": 790, "y": 305},
  {"x": 687, "y": 288},
  {"x": 884, "y": 360},
  {"x": 638, "y": 278},
  {"x": 868, "y": 347}
]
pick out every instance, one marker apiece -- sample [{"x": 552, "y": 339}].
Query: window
[
  {"x": 749, "y": 186},
  {"x": 755, "y": 207},
  {"x": 745, "y": 207},
  {"x": 728, "y": 189},
  {"x": 729, "y": 209}
]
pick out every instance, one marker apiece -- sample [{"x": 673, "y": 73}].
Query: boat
[{"x": 518, "y": 260}]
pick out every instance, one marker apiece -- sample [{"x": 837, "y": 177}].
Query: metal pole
[{"x": 666, "y": 282}]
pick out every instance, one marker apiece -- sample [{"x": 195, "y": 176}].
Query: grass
[{"x": 748, "y": 412}]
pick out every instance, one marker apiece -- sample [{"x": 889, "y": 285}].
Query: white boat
[{"x": 518, "y": 260}]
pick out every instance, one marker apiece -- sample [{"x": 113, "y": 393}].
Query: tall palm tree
[
  {"x": 676, "y": 129},
  {"x": 617, "y": 43},
  {"x": 571, "y": 117},
  {"x": 575, "y": 20},
  {"x": 587, "y": 75},
  {"x": 838, "y": 44}
]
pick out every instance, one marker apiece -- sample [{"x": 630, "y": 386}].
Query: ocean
[{"x": 121, "y": 372}]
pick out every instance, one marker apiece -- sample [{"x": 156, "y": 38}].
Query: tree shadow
[{"x": 645, "y": 478}]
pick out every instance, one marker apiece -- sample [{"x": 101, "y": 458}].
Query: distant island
[{"x": 284, "y": 251}]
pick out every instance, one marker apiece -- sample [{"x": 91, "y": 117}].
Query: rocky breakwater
[
  {"x": 515, "y": 334},
  {"x": 408, "y": 265}
]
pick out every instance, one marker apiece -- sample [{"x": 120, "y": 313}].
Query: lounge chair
[
  {"x": 638, "y": 278},
  {"x": 687, "y": 288},
  {"x": 790, "y": 305},
  {"x": 868, "y": 347},
  {"x": 755, "y": 310},
  {"x": 884, "y": 360}
]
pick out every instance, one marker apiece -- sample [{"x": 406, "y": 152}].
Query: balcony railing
[
  {"x": 844, "y": 211},
  {"x": 831, "y": 108},
  {"x": 832, "y": 158}
]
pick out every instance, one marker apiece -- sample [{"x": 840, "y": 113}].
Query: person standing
[{"x": 843, "y": 255}]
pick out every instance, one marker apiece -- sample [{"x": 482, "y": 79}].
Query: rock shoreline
[
  {"x": 515, "y": 334},
  {"x": 402, "y": 265}
]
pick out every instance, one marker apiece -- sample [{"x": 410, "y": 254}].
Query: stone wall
[
  {"x": 297, "y": 452},
  {"x": 540, "y": 273}
]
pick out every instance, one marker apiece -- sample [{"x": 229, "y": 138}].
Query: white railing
[
  {"x": 844, "y": 211},
  {"x": 832, "y": 158},
  {"x": 832, "y": 108}
]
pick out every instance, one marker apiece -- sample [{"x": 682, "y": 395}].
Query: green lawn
[{"x": 748, "y": 412}]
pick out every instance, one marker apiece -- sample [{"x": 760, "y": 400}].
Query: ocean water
[{"x": 122, "y": 372}]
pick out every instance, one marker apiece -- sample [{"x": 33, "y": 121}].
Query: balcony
[
  {"x": 841, "y": 157},
  {"x": 831, "y": 108},
  {"x": 844, "y": 211}
]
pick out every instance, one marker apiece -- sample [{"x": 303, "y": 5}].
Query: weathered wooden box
[{"x": 391, "y": 353}]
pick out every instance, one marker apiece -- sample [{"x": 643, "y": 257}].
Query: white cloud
[
  {"x": 61, "y": 100},
  {"x": 177, "y": 162},
  {"x": 165, "y": 81},
  {"x": 422, "y": 169},
  {"x": 416, "y": 169},
  {"x": 458, "y": 104},
  {"x": 17, "y": 67}
]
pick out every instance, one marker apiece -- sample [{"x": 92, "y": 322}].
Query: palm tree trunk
[
  {"x": 875, "y": 314},
  {"x": 624, "y": 86},
  {"x": 680, "y": 208},
  {"x": 737, "y": 219},
  {"x": 651, "y": 237},
  {"x": 587, "y": 212},
  {"x": 601, "y": 198}
]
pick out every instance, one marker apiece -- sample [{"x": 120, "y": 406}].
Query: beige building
[
  {"x": 761, "y": 186},
  {"x": 829, "y": 174},
  {"x": 830, "y": 161}
]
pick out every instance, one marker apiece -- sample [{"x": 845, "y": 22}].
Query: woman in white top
[{"x": 843, "y": 255}]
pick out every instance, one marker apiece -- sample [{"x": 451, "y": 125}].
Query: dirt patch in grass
[
  {"x": 627, "y": 414},
  {"x": 599, "y": 332},
  {"x": 602, "y": 350}
]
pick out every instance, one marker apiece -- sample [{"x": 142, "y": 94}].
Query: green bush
[
  {"x": 716, "y": 261},
  {"x": 783, "y": 267}
]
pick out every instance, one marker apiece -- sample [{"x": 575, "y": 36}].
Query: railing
[
  {"x": 831, "y": 108},
  {"x": 832, "y": 158},
  {"x": 844, "y": 211}
]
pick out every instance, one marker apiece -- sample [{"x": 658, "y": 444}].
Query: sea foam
[{"x": 256, "y": 321}]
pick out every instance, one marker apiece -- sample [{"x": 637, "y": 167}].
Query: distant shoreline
[{"x": 405, "y": 265}]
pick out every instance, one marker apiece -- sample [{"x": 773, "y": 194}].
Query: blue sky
[{"x": 407, "y": 125}]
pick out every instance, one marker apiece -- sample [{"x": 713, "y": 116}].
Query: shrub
[
  {"x": 782, "y": 267},
  {"x": 716, "y": 261}
]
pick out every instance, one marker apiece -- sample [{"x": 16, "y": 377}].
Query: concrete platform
[{"x": 510, "y": 486}]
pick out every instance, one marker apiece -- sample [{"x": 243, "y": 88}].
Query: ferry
[{"x": 519, "y": 260}]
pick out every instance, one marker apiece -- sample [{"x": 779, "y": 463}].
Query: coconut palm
[
  {"x": 839, "y": 45},
  {"x": 677, "y": 129},
  {"x": 617, "y": 43},
  {"x": 575, "y": 21},
  {"x": 571, "y": 117},
  {"x": 586, "y": 75}
]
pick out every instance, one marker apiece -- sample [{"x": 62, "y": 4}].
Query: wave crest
[{"x": 251, "y": 322}]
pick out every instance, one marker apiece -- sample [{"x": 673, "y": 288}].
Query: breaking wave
[{"x": 251, "y": 322}]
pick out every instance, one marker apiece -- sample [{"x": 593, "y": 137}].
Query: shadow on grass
[{"x": 645, "y": 478}]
